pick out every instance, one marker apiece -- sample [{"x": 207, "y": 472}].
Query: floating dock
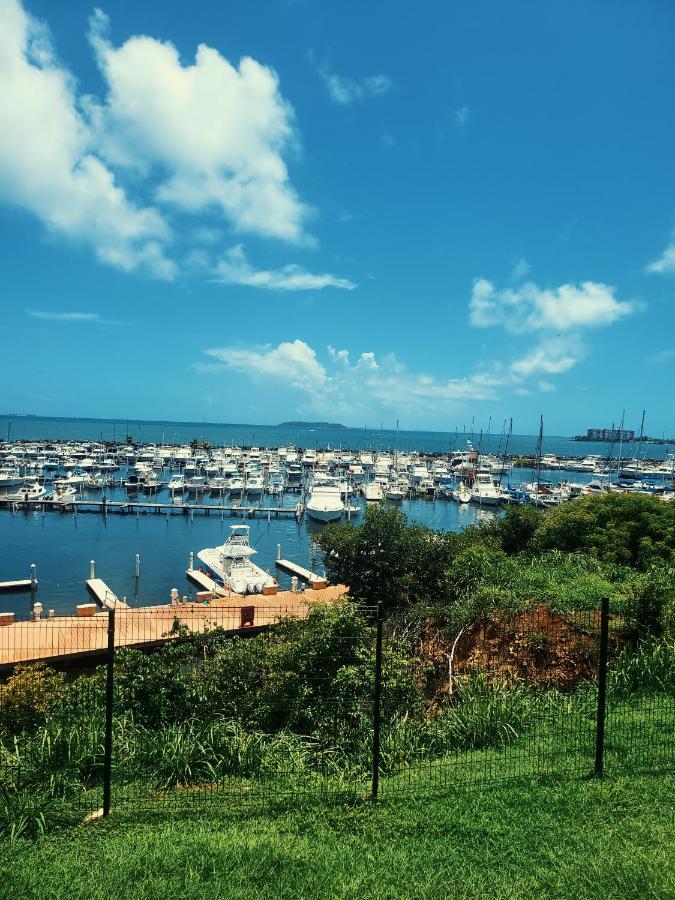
[
  {"x": 16, "y": 587},
  {"x": 103, "y": 595},
  {"x": 302, "y": 573},
  {"x": 203, "y": 581},
  {"x": 104, "y": 507}
]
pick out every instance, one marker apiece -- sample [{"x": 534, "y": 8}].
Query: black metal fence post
[
  {"x": 602, "y": 689},
  {"x": 107, "y": 745},
  {"x": 376, "y": 703}
]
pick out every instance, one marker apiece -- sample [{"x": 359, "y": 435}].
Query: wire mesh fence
[{"x": 189, "y": 703}]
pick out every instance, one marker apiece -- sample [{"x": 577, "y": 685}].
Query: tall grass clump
[{"x": 648, "y": 669}]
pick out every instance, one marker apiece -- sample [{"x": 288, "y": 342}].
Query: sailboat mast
[
  {"x": 623, "y": 416},
  {"x": 539, "y": 447}
]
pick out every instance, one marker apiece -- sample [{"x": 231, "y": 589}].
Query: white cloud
[
  {"x": 666, "y": 262},
  {"x": 550, "y": 357},
  {"x": 531, "y": 308},
  {"x": 546, "y": 386},
  {"x": 520, "y": 269},
  {"x": 48, "y": 161},
  {"x": 215, "y": 134},
  {"x": 461, "y": 118},
  {"x": 76, "y": 318},
  {"x": 293, "y": 362},
  {"x": 345, "y": 91},
  {"x": 64, "y": 316},
  {"x": 663, "y": 356},
  {"x": 234, "y": 268},
  {"x": 350, "y": 390}
]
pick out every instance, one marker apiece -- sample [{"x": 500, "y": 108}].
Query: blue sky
[{"x": 257, "y": 211}]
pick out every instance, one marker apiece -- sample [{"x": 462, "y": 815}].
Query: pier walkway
[
  {"x": 303, "y": 574},
  {"x": 61, "y": 639},
  {"x": 103, "y": 595},
  {"x": 103, "y": 506}
]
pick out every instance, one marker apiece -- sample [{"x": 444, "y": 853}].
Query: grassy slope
[{"x": 567, "y": 838}]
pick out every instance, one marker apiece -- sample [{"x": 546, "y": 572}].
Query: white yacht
[
  {"x": 255, "y": 485},
  {"x": 231, "y": 563},
  {"x": 462, "y": 493},
  {"x": 325, "y": 501},
  {"x": 395, "y": 492},
  {"x": 10, "y": 478},
  {"x": 176, "y": 483},
  {"x": 373, "y": 492},
  {"x": 31, "y": 489},
  {"x": 484, "y": 490},
  {"x": 236, "y": 486}
]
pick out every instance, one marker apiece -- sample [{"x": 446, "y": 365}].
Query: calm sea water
[
  {"x": 275, "y": 436},
  {"x": 62, "y": 544}
]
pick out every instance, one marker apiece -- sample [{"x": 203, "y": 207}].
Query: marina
[{"x": 65, "y": 502}]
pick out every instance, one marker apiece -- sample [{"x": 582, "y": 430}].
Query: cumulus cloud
[
  {"x": 234, "y": 268},
  {"x": 343, "y": 387},
  {"x": 48, "y": 161},
  {"x": 204, "y": 138},
  {"x": 292, "y": 362},
  {"x": 665, "y": 264},
  {"x": 345, "y": 91},
  {"x": 214, "y": 133},
  {"x": 549, "y": 357},
  {"x": 531, "y": 308}
]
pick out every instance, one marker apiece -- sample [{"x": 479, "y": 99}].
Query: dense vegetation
[
  {"x": 618, "y": 545},
  {"x": 490, "y": 640}
]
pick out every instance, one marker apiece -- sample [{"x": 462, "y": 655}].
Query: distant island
[{"x": 311, "y": 425}]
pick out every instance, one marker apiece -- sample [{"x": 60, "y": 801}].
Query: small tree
[{"x": 386, "y": 559}]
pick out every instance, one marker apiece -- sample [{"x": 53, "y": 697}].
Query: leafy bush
[
  {"x": 635, "y": 530},
  {"x": 27, "y": 696}
]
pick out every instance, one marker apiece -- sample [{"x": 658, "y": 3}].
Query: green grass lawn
[{"x": 528, "y": 837}]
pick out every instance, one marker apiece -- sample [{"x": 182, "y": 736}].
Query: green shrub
[{"x": 27, "y": 696}]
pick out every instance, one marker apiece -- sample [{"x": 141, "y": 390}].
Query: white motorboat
[
  {"x": 462, "y": 493},
  {"x": 325, "y": 502},
  {"x": 373, "y": 492},
  {"x": 64, "y": 495},
  {"x": 176, "y": 483},
  {"x": 31, "y": 489},
  {"x": 255, "y": 485},
  {"x": 236, "y": 486},
  {"x": 484, "y": 490},
  {"x": 10, "y": 478},
  {"x": 231, "y": 563}
]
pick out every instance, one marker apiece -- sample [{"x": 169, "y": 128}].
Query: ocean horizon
[{"x": 33, "y": 427}]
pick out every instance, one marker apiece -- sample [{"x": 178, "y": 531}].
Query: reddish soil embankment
[{"x": 540, "y": 647}]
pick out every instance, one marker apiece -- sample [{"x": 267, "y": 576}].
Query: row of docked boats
[{"x": 328, "y": 478}]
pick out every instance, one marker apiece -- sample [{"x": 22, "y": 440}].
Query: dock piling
[{"x": 33, "y": 584}]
